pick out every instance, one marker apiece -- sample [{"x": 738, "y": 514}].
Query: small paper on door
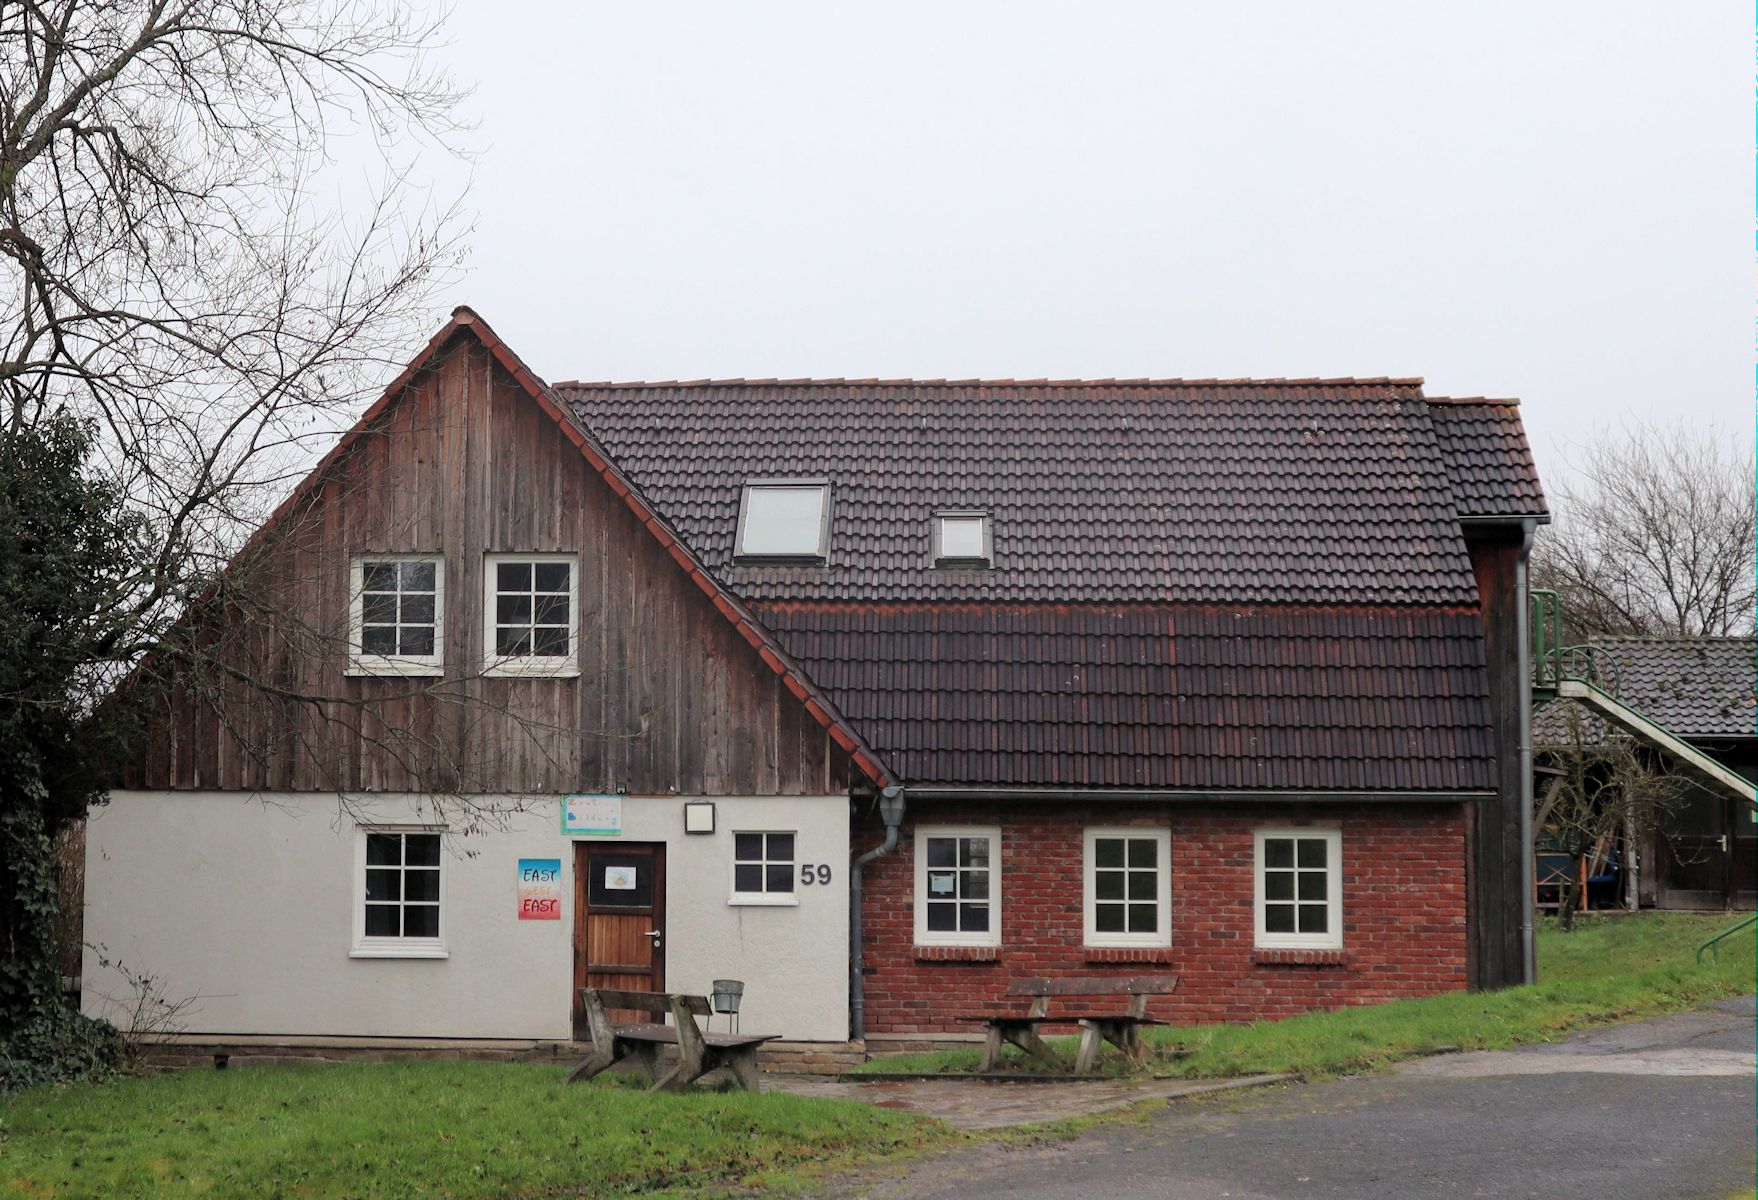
[{"x": 619, "y": 879}]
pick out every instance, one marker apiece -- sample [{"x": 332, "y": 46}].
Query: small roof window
[
  {"x": 963, "y": 539},
  {"x": 785, "y": 519}
]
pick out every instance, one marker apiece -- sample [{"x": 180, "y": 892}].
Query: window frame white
[
  {"x": 364, "y": 946},
  {"x": 1332, "y": 938},
  {"x": 766, "y": 899},
  {"x": 821, "y": 556},
  {"x": 942, "y": 559},
  {"x": 990, "y": 937},
  {"x": 547, "y": 666},
  {"x": 405, "y": 665},
  {"x": 1162, "y": 839}
]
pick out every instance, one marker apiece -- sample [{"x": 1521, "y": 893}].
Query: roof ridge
[
  {"x": 1693, "y": 639},
  {"x": 1476, "y": 401},
  {"x": 1407, "y": 381}
]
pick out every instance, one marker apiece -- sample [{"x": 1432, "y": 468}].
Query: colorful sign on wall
[
  {"x": 592, "y": 816},
  {"x": 540, "y": 889}
]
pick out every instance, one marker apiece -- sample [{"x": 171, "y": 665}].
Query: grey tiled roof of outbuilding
[
  {"x": 1698, "y": 688},
  {"x": 1314, "y": 491}
]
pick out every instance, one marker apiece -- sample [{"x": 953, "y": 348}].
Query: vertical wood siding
[{"x": 669, "y": 698}]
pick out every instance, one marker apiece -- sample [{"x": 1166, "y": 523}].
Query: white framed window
[
  {"x": 1128, "y": 887},
  {"x": 1299, "y": 889},
  {"x": 763, "y": 868},
  {"x": 963, "y": 539},
  {"x": 396, "y": 622},
  {"x": 784, "y": 519},
  {"x": 399, "y": 892},
  {"x": 531, "y": 614},
  {"x": 958, "y": 885}
]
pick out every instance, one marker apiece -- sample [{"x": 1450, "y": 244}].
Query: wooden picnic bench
[
  {"x": 1121, "y": 1026},
  {"x": 698, "y": 1052}
]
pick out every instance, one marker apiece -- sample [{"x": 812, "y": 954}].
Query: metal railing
[
  {"x": 1553, "y": 662},
  {"x": 1713, "y": 945}
]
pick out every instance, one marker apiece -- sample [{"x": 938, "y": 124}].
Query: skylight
[
  {"x": 962, "y": 539},
  {"x": 785, "y": 519}
]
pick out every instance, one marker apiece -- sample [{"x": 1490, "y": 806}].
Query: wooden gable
[{"x": 462, "y": 460}]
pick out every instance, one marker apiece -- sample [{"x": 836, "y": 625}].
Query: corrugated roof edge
[
  {"x": 1411, "y": 381},
  {"x": 1600, "y": 639}
]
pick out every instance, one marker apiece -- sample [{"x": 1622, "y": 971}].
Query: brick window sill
[
  {"x": 958, "y": 953},
  {"x": 1299, "y": 958},
  {"x": 1129, "y": 954}
]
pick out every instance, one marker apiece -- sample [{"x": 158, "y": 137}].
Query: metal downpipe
[
  {"x": 1528, "y": 950},
  {"x": 891, "y": 803}
]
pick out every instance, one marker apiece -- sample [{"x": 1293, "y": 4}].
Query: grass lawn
[
  {"x": 477, "y": 1130},
  {"x": 1609, "y": 968},
  {"x": 447, "y": 1129}
]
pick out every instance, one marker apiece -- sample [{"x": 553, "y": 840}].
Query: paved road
[{"x": 1656, "y": 1110}]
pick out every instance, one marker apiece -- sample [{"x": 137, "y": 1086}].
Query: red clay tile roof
[
  {"x": 1325, "y": 491},
  {"x": 1488, "y": 460},
  {"x": 1204, "y": 584},
  {"x": 1156, "y": 696}
]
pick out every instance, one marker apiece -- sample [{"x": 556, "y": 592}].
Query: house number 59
[{"x": 811, "y": 873}]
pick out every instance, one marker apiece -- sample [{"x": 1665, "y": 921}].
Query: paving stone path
[{"x": 980, "y": 1104}]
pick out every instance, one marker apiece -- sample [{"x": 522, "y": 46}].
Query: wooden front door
[{"x": 619, "y": 922}]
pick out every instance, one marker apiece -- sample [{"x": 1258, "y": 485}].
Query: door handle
[
  {"x": 1722, "y": 842},
  {"x": 655, "y": 934}
]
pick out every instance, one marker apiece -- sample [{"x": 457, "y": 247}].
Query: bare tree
[
  {"x": 1658, "y": 538},
  {"x": 174, "y": 271},
  {"x": 1598, "y": 791}
]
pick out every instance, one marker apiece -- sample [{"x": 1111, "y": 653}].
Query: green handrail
[{"x": 1713, "y": 945}]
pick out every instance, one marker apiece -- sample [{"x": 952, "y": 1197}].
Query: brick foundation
[{"x": 1403, "y": 910}]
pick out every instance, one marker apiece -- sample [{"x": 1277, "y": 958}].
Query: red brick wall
[{"x": 1403, "y": 914}]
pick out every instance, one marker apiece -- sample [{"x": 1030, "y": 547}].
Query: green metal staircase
[{"x": 1582, "y": 674}]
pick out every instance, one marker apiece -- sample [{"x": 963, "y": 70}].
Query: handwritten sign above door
[{"x": 592, "y": 816}]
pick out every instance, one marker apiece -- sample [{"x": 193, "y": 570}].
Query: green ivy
[{"x": 69, "y": 550}]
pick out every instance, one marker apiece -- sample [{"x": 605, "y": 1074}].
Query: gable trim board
[{"x": 1418, "y": 624}]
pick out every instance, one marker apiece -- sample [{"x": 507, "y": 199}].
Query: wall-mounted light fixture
[{"x": 699, "y": 816}]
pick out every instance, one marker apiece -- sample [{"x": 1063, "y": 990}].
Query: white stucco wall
[{"x": 246, "y": 902}]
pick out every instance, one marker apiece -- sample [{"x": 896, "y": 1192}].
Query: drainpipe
[
  {"x": 1528, "y": 957},
  {"x": 891, "y": 812}
]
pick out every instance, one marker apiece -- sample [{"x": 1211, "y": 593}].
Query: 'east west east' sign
[{"x": 540, "y": 889}]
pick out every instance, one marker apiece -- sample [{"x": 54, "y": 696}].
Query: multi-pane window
[
  {"x": 1128, "y": 887},
  {"x": 958, "y": 886},
  {"x": 400, "y": 899},
  {"x": 1299, "y": 888},
  {"x": 397, "y": 615},
  {"x": 784, "y": 519},
  {"x": 530, "y": 624},
  {"x": 962, "y": 539},
  {"x": 763, "y": 864}
]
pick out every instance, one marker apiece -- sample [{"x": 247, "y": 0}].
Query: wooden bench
[
  {"x": 698, "y": 1052},
  {"x": 1120, "y": 1026}
]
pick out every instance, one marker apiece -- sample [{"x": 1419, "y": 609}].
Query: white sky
[{"x": 1553, "y": 201}]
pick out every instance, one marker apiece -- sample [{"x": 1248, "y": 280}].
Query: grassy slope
[
  {"x": 1610, "y": 968},
  {"x": 419, "y": 1129}
]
